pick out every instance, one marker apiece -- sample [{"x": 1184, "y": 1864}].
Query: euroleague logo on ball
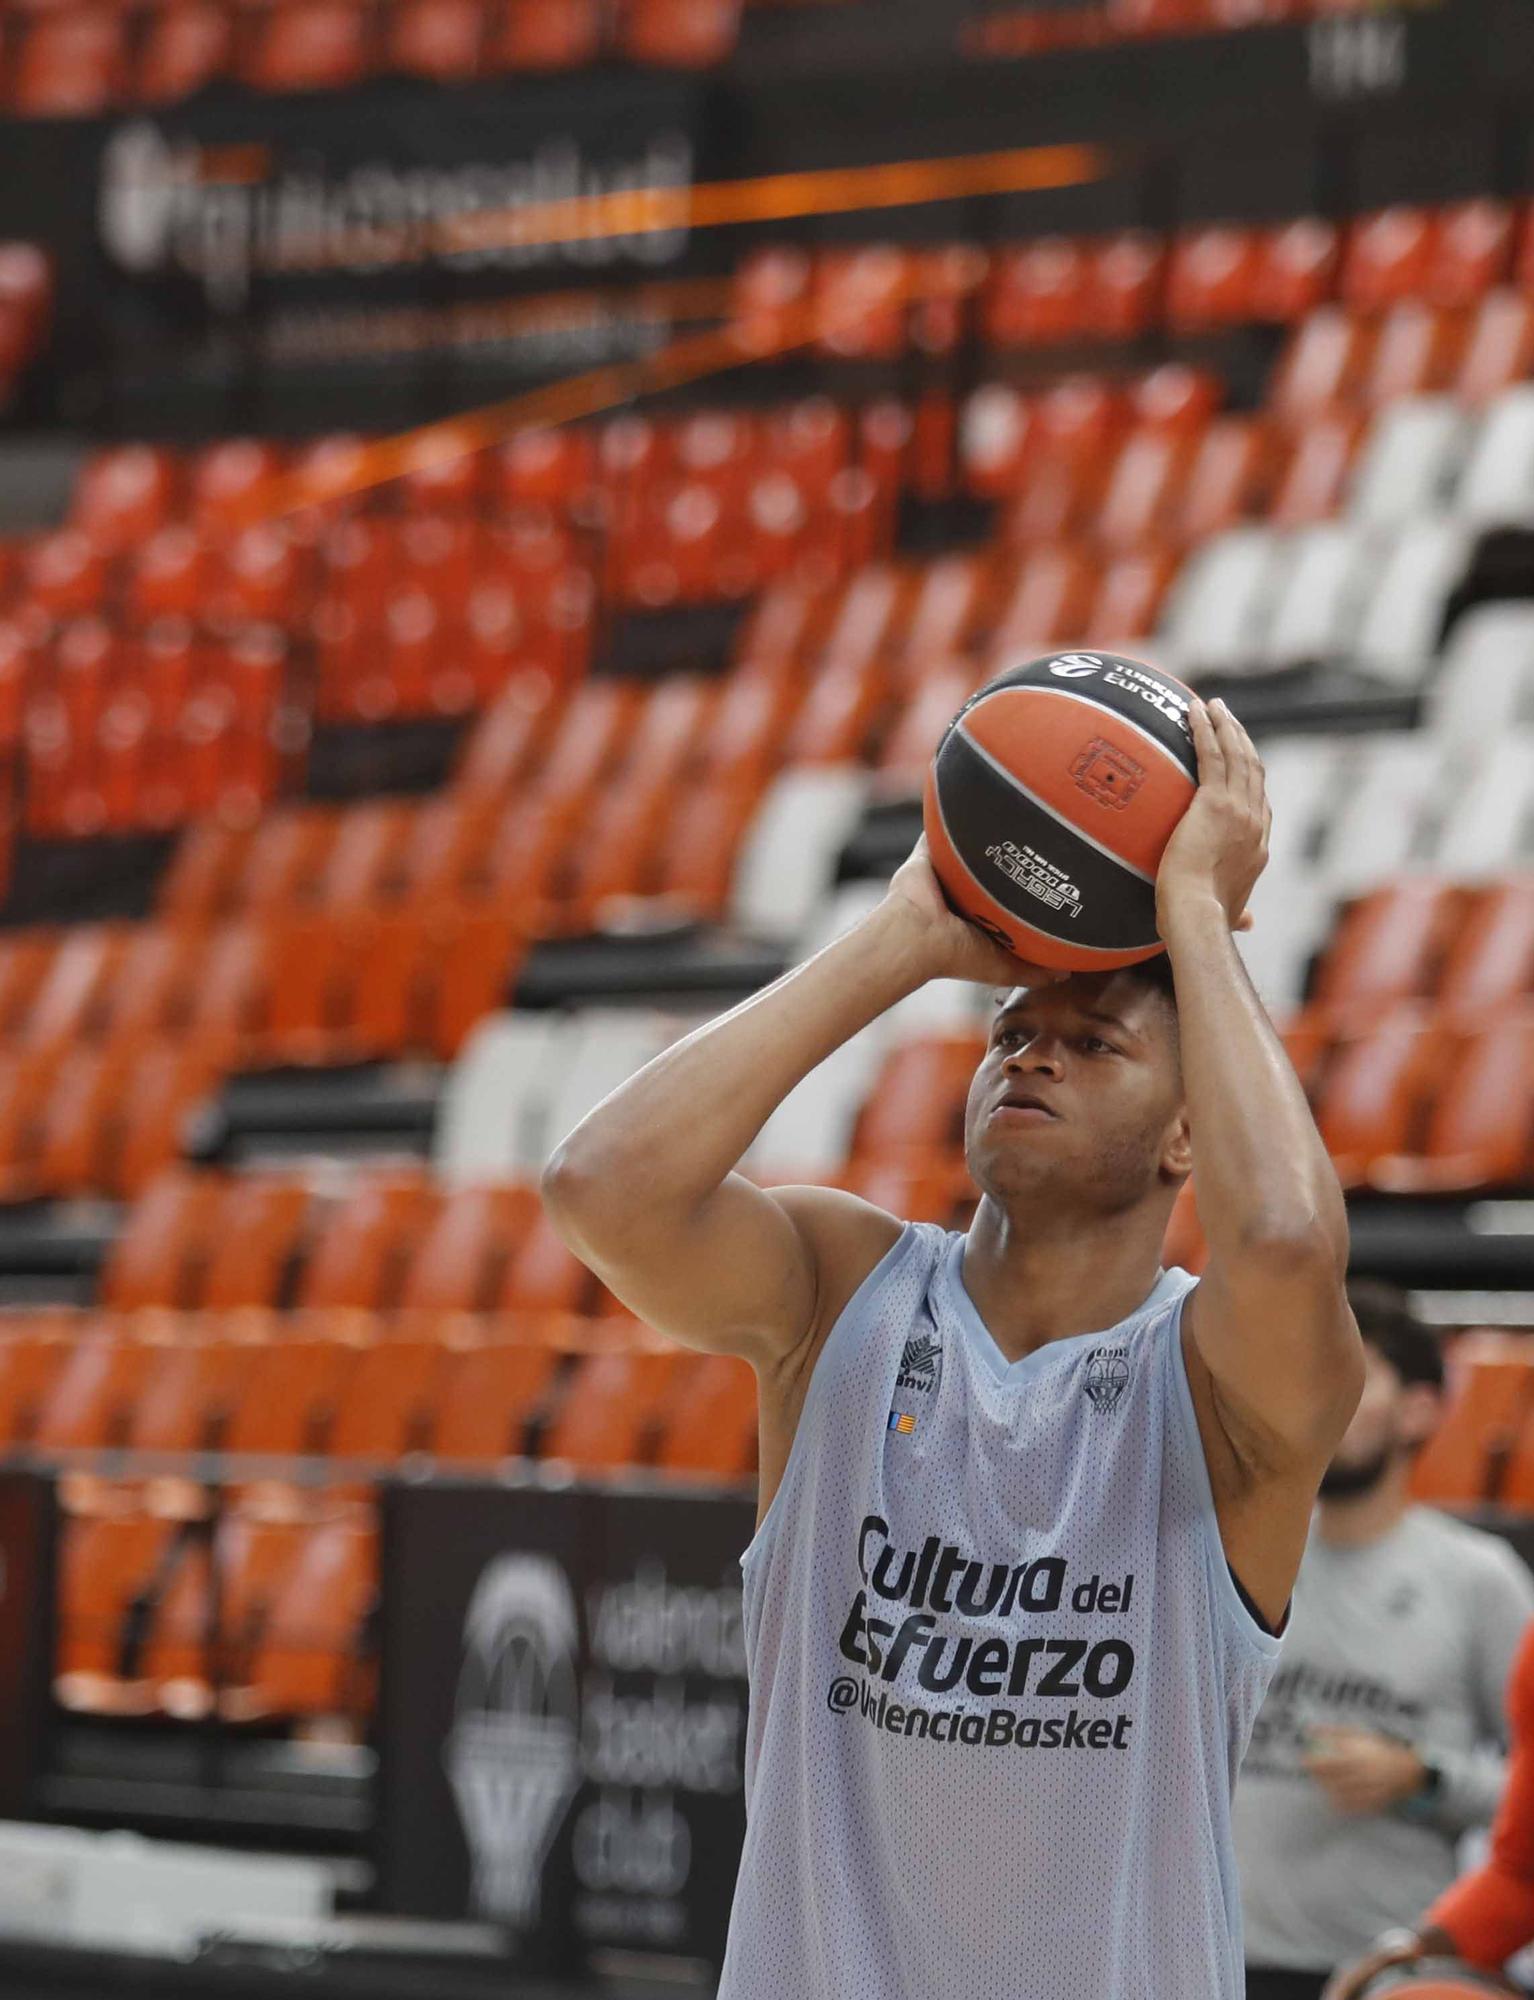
[{"x": 1075, "y": 666}]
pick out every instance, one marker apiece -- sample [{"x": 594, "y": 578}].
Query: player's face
[{"x": 1079, "y": 1093}]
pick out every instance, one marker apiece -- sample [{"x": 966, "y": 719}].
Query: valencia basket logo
[{"x": 1106, "y": 1377}]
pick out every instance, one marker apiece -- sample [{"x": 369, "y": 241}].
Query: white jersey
[{"x": 1001, "y": 1676}]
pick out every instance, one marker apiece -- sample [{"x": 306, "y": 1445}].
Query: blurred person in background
[{"x": 1380, "y": 1741}]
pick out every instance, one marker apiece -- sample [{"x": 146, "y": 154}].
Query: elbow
[
  {"x": 569, "y": 1190},
  {"x": 1302, "y": 1243}
]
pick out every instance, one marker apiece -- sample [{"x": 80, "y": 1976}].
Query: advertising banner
[{"x": 563, "y": 1716}]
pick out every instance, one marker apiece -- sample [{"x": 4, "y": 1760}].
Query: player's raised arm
[
  {"x": 1271, "y": 1333},
  {"x": 644, "y": 1189}
]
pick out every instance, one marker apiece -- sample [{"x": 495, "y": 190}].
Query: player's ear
[{"x": 1177, "y": 1148}]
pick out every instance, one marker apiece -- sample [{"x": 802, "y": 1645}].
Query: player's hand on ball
[
  {"x": 958, "y": 949},
  {"x": 1220, "y": 845}
]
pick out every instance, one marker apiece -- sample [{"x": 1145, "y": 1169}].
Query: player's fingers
[
  {"x": 1256, "y": 777},
  {"x": 1211, "y": 756},
  {"x": 1227, "y": 735}
]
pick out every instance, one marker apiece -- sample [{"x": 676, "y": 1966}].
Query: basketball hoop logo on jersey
[{"x": 1106, "y": 1377}]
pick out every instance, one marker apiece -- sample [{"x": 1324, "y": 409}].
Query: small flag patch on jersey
[{"x": 903, "y": 1421}]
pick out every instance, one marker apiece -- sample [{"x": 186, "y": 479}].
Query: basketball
[
  {"x": 1050, "y": 801},
  {"x": 1434, "y": 1979}
]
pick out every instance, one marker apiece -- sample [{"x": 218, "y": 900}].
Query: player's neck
[
  {"x": 1035, "y": 1284},
  {"x": 1353, "y": 1520}
]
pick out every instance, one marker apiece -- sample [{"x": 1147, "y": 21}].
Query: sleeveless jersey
[{"x": 1001, "y": 1675}]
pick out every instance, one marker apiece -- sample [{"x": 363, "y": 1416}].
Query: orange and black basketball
[
  {"x": 1435, "y": 1979},
  {"x": 1049, "y": 803}
]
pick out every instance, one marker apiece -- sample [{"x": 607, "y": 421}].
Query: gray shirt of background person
[{"x": 1411, "y": 1636}]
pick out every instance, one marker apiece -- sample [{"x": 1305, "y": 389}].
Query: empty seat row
[
  {"x": 256, "y": 1619},
  {"x": 586, "y": 474},
  {"x": 880, "y": 299},
  {"x": 91, "y": 58},
  {"x": 599, "y": 1395}
]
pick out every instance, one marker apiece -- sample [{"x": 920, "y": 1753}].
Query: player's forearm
[
  {"x": 670, "y": 1134},
  {"x": 1263, "y": 1175}
]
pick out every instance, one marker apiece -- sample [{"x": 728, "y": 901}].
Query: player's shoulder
[{"x": 847, "y": 1234}]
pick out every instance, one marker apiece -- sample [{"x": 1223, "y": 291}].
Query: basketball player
[
  {"x": 1489, "y": 1914},
  {"x": 1031, "y": 1506}
]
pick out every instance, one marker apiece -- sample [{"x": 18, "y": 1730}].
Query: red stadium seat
[
  {"x": 709, "y": 1426},
  {"x": 1322, "y": 365},
  {"x": 124, "y": 494},
  {"x": 1480, "y": 1133},
  {"x": 105, "y": 1564},
  {"x": 255, "y": 1242},
  {"x": 1311, "y": 485},
  {"x": 70, "y": 64},
  {"x": 1498, "y": 349},
  {"x": 308, "y": 45},
  {"x": 1375, "y": 1091},
  {"x": 1490, "y": 1384},
  {"x": 1212, "y": 278},
  {"x": 390, "y": 1400},
  {"x": 1125, "y": 281},
  {"x": 292, "y": 1398},
  {"x": 545, "y": 1275},
  {"x": 310, "y": 1659},
  {"x": 1038, "y": 293},
  {"x": 1472, "y": 251},
  {"x": 531, "y": 35},
  {"x": 916, "y": 1102},
  {"x": 1297, "y": 270},
  {"x": 1389, "y": 945},
  {"x": 1416, "y": 351},
  {"x": 491, "y": 1395},
  {"x": 90, "y": 1400},
  {"x": 440, "y": 39},
  {"x": 695, "y": 858},
  {"x": 462, "y": 1258},
  {"x": 360, "y": 1254},
  {"x": 613, "y": 1407},
  {"x": 678, "y": 34},
  {"x": 1389, "y": 256},
  {"x": 1491, "y": 959},
  {"x": 188, "y": 1393},
  {"x": 186, "y": 45},
  {"x": 31, "y": 1355}
]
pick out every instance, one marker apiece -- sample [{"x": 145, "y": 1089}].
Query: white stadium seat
[
  {"x": 1486, "y": 682},
  {"x": 1388, "y": 788},
  {"x": 1409, "y": 461},
  {"x": 788, "y": 859},
  {"x": 1399, "y": 628},
  {"x": 1220, "y": 603},
  {"x": 1485, "y": 820},
  {"x": 493, "y": 1110},
  {"x": 1326, "y": 577},
  {"x": 1497, "y": 489}
]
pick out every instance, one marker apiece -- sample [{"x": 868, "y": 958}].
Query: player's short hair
[
  {"x": 1388, "y": 1325},
  {"x": 1156, "y": 973}
]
